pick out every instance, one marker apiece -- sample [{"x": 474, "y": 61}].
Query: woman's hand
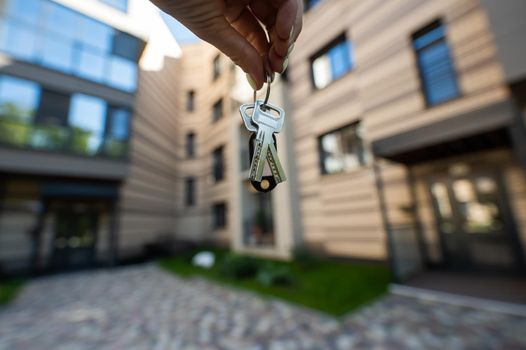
[{"x": 233, "y": 26}]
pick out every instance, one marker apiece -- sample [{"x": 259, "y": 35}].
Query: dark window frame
[
  {"x": 218, "y": 164},
  {"x": 217, "y": 110},
  {"x": 308, "y": 5},
  {"x": 219, "y": 215},
  {"x": 190, "y": 145},
  {"x": 360, "y": 146},
  {"x": 437, "y": 23},
  {"x": 190, "y": 100},
  {"x": 324, "y": 51},
  {"x": 189, "y": 192}
]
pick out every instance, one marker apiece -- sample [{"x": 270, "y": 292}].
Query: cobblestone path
[{"x": 143, "y": 307}]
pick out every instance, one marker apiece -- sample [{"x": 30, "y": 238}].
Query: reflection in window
[
  {"x": 44, "y": 32},
  {"x": 18, "y": 103},
  {"x": 19, "y": 41},
  {"x": 58, "y": 54},
  {"x": 95, "y": 34},
  {"x": 342, "y": 150},
  {"x": 50, "y": 131},
  {"x": 123, "y": 74},
  {"x": 86, "y": 117},
  {"x": 332, "y": 62},
  {"x": 26, "y": 10},
  {"x": 479, "y": 210},
  {"x": 438, "y": 76},
  {"x": 117, "y": 131},
  {"x": 91, "y": 64}
]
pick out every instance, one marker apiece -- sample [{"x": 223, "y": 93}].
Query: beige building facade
[{"x": 404, "y": 142}]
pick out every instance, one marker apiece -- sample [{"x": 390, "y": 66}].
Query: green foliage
[
  {"x": 271, "y": 275},
  {"x": 8, "y": 290},
  {"x": 332, "y": 287},
  {"x": 239, "y": 267}
]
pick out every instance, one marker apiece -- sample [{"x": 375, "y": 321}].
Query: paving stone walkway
[{"x": 143, "y": 307}]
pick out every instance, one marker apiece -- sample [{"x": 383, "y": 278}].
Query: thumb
[{"x": 223, "y": 36}]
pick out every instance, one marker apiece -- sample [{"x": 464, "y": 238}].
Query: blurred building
[
  {"x": 404, "y": 138},
  {"x": 409, "y": 143},
  {"x": 69, "y": 73}
]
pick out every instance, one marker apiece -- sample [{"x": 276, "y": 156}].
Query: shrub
[
  {"x": 239, "y": 267},
  {"x": 275, "y": 276},
  {"x": 304, "y": 258}
]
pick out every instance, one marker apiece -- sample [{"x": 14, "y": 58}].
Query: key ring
[{"x": 269, "y": 82}]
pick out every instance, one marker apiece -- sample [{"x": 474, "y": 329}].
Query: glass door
[
  {"x": 475, "y": 225},
  {"x": 75, "y": 233}
]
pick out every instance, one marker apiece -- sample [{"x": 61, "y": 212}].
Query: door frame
[{"x": 511, "y": 233}]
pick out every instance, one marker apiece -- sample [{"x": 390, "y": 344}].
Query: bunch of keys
[{"x": 264, "y": 121}]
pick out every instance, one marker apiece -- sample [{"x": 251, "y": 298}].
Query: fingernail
[
  {"x": 251, "y": 82},
  {"x": 285, "y": 65},
  {"x": 291, "y": 47}
]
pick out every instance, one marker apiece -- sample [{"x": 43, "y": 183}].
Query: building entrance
[{"x": 474, "y": 221}]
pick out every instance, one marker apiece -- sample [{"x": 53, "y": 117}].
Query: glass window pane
[
  {"x": 58, "y": 53},
  {"x": 121, "y": 5},
  {"x": 126, "y": 46},
  {"x": 91, "y": 64},
  {"x": 95, "y": 34},
  {"x": 119, "y": 123},
  {"x": 428, "y": 37},
  {"x": 340, "y": 60},
  {"x": 53, "y": 108},
  {"x": 123, "y": 74},
  {"x": 19, "y": 41},
  {"x": 321, "y": 70},
  {"x": 27, "y": 10},
  {"x": 18, "y": 98},
  {"x": 86, "y": 118},
  {"x": 60, "y": 20}
]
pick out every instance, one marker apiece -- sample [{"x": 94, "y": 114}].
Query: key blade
[
  {"x": 275, "y": 164},
  {"x": 258, "y": 161}
]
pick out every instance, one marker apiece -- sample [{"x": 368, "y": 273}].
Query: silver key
[
  {"x": 247, "y": 119},
  {"x": 265, "y": 149}
]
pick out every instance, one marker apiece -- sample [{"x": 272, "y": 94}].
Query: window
[
  {"x": 121, "y": 5},
  {"x": 53, "y": 108},
  {"x": 117, "y": 131},
  {"x": 87, "y": 118},
  {"x": 18, "y": 99},
  {"x": 216, "y": 67},
  {"x": 219, "y": 215},
  {"x": 435, "y": 65},
  {"x": 308, "y": 4},
  {"x": 123, "y": 74},
  {"x": 190, "y": 97},
  {"x": 332, "y": 62},
  {"x": 50, "y": 129},
  {"x": 18, "y": 103},
  {"x": 190, "y": 146},
  {"x": 41, "y": 118},
  {"x": 218, "y": 164},
  {"x": 126, "y": 46},
  {"x": 342, "y": 150},
  {"x": 46, "y": 33},
  {"x": 217, "y": 110},
  {"x": 189, "y": 199}
]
